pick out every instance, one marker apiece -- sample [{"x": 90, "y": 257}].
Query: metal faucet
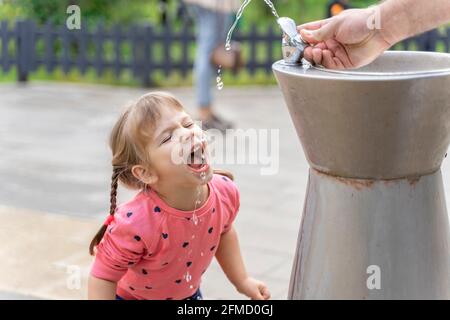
[{"x": 292, "y": 45}]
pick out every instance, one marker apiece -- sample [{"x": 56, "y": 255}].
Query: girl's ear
[{"x": 145, "y": 175}]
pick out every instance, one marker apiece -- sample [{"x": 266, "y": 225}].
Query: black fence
[{"x": 143, "y": 50}]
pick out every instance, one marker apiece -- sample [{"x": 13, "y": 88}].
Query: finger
[
  {"x": 313, "y": 25},
  {"x": 305, "y": 29},
  {"x": 339, "y": 52},
  {"x": 317, "y": 55},
  {"x": 308, "y": 36},
  {"x": 325, "y": 32},
  {"x": 327, "y": 60},
  {"x": 308, "y": 54},
  {"x": 313, "y": 55},
  {"x": 321, "y": 45},
  {"x": 266, "y": 293},
  {"x": 258, "y": 296},
  {"x": 339, "y": 64},
  {"x": 263, "y": 290}
]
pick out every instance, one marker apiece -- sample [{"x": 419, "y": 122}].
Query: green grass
[{"x": 159, "y": 79}]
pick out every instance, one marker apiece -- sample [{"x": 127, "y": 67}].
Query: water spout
[{"x": 293, "y": 46}]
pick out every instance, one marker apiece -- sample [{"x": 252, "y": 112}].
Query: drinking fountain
[{"x": 374, "y": 223}]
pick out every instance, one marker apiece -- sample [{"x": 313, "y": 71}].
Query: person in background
[
  {"x": 336, "y": 6},
  {"x": 212, "y": 19}
]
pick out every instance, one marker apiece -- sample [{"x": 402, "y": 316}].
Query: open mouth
[{"x": 197, "y": 160}]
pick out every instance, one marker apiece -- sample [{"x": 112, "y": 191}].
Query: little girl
[{"x": 159, "y": 244}]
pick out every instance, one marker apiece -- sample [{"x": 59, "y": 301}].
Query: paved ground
[{"x": 55, "y": 171}]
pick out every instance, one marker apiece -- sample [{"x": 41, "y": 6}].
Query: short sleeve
[
  {"x": 233, "y": 199},
  {"x": 121, "y": 248}
]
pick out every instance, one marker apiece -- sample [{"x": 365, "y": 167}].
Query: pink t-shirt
[{"x": 157, "y": 252}]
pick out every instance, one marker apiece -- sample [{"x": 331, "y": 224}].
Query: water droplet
[
  {"x": 305, "y": 64},
  {"x": 194, "y": 219},
  {"x": 219, "y": 78},
  {"x": 201, "y": 254},
  {"x": 191, "y": 287}
]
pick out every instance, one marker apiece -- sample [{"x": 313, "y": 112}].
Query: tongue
[
  {"x": 196, "y": 166},
  {"x": 196, "y": 161}
]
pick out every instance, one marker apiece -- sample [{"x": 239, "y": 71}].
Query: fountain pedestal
[{"x": 375, "y": 224}]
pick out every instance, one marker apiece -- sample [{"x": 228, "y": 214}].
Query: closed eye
[{"x": 166, "y": 139}]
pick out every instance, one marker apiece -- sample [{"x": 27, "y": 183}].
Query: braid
[
  {"x": 114, "y": 185},
  {"x": 112, "y": 209}
]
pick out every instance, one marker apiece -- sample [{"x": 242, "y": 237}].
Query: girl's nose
[{"x": 187, "y": 135}]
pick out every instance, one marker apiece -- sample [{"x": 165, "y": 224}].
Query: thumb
[{"x": 325, "y": 32}]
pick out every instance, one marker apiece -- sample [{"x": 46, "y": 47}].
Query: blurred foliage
[
  {"x": 92, "y": 11},
  {"x": 151, "y": 11},
  {"x": 300, "y": 10}
]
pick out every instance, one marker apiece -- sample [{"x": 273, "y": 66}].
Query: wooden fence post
[
  {"x": 25, "y": 49},
  {"x": 5, "y": 37},
  {"x": 147, "y": 38}
]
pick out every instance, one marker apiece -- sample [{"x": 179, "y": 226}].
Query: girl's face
[{"x": 178, "y": 151}]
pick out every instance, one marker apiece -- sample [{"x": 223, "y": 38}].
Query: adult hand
[{"x": 347, "y": 40}]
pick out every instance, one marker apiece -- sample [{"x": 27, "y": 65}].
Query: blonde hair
[{"x": 129, "y": 145}]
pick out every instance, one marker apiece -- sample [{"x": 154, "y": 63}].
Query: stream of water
[
  {"x": 195, "y": 219},
  {"x": 230, "y": 33}
]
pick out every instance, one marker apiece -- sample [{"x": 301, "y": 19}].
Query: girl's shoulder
[
  {"x": 225, "y": 187},
  {"x": 138, "y": 206},
  {"x": 133, "y": 215}
]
